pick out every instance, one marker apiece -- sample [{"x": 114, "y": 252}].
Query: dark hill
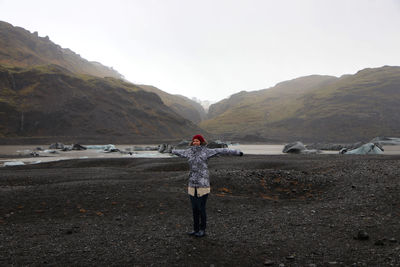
[
  {"x": 314, "y": 108},
  {"x": 56, "y": 104}
]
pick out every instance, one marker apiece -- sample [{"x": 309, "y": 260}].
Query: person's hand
[{"x": 241, "y": 153}]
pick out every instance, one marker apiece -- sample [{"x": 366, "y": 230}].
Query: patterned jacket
[{"x": 197, "y": 158}]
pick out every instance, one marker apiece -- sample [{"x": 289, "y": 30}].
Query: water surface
[{"x": 20, "y": 154}]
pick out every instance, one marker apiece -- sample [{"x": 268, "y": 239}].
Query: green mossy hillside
[
  {"x": 49, "y": 101},
  {"x": 314, "y": 108}
]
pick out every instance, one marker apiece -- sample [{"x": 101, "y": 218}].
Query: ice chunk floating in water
[
  {"x": 102, "y": 147},
  {"x": 13, "y": 163}
]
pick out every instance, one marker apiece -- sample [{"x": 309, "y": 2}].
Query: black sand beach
[{"x": 286, "y": 210}]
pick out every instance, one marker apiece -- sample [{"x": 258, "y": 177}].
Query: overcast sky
[{"x": 211, "y": 49}]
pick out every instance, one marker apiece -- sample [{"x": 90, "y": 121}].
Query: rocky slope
[
  {"x": 19, "y": 47},
  {"x": 52, "y": 102},
  {"x": 48, "y": 92},
  {"x": 314, "y": 108}
]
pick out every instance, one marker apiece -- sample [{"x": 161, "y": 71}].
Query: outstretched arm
[{"x": 180, "y": 152}]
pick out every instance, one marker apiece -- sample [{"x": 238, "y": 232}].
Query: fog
[{"x": 212, "y": 49}]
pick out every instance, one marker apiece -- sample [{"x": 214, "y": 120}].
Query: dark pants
[{"x": 199, "y": 212}]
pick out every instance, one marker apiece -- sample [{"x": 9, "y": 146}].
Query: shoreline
[
  {"x": 20, "y": 154},
  {"x": 23, "y": 152}
]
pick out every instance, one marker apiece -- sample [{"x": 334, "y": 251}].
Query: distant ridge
[{"x": 187, "y": 108}]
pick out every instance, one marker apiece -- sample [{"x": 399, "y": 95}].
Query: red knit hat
[{"x": 199, "y": 137}]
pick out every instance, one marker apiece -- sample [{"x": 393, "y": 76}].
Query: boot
[
  {"x": 200, "y": 233},
  {"x": 192, "y": 233}
]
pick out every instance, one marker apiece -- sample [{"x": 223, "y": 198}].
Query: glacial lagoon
[{"x": 20, "y": 154}]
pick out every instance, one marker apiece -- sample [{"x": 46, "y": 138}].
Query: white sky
[{"x": 211, "y": 49}]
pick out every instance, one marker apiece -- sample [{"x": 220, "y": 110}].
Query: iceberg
[
  {"x": 108, "y": 147},
  {"x": 13, "y": 163},
  {"x": 367, "y": 149}
]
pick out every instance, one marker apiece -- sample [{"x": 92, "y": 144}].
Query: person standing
[{"x": 199, "y": 179}]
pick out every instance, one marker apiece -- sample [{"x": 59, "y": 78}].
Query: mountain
[
  {"x": 19, "y": 47},
  {"x": 204, "y": 103},
  {"x": 314, "y": 108},
  {"x": 182, "y": 105},
  {"x": 54, "y": 103},
  {"x": 48, "y": 93}
]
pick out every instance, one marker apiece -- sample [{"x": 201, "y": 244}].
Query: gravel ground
[{"x": 286, "y": 210}]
